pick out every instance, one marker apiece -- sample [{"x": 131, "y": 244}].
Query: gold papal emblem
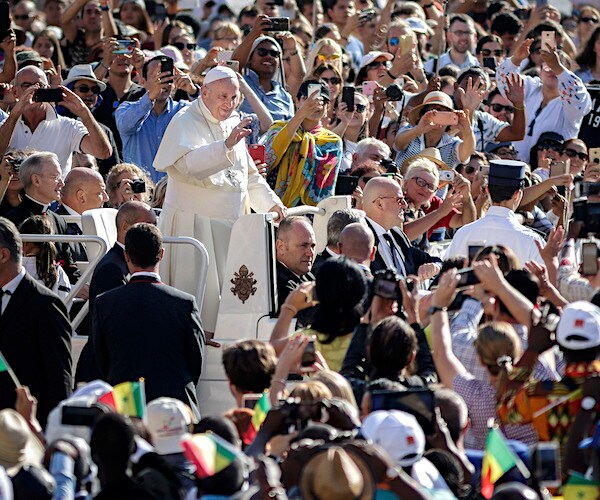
[{"x": 243, "y": 284}]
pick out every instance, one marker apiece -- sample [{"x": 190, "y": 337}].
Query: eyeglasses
[
  {"x": 581, "y": 19},
  {"x": 84, "y": 89},
  {"x": 399, "y": 199},
  {"x": 22, "y": 17},
  {"x": 500, "y": 107},
  {"x": 189, "y": 46},
  {"x": 262, "y": 52},
  {"x": 26, "y": 85},
  {"x": 332, "y": 57},
  {"x": 571, "y": 153},
  {"x": 360, "y": 108},
  {"x": 334, "y": 80},
  {"x": 506, "y": 151},
  {"x": 545, "y": 146},
  {"x": 423, "y": 183},
  {"x": 378, "y": 64},
  {"x": 488, "y": 52},
  {"x": 394, "y": 41}
]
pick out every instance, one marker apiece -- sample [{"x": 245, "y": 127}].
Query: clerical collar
[
  {"x": 44, "y": 205},
  {"x": 147, "y": 274}
]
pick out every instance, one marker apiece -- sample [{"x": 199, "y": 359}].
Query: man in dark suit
[
  {"x": 35, "y": 334},
  {"x": 42, "y": 180},
  {"x": 111, "y": 272},
  {"x": 84, "y": 189},
  {"x": 384, "y": 204},
  {"x": 149, "y": 329},
  {"x": 336, "y": 223}
]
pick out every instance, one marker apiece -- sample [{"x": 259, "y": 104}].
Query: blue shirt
[
  {"x": 277, "y": 101},
  {"x": 142, "y": 131}
]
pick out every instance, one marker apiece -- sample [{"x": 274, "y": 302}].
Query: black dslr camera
[
  {"x": 394, "y": 92},
  {"x": 138, "y": 185},
  {"x": 385, "y": 284}
]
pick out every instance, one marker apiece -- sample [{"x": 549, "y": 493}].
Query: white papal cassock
[{"x": 209, "y": 188}]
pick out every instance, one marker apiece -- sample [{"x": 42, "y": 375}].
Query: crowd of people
[{"x": 445, "y": 343}]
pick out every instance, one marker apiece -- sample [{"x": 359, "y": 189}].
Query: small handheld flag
[
  {"x": 127, "y": 398},
  {"x": 262, "y": 407},
  {"x": 5, "y": 367},
  {"x": 209, "y": 453}
]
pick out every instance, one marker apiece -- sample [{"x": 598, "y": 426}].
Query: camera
[
  {"x": 394, "y": 92},
  {"x": 385, "y": 284},
  {"x": 389, "y": 165},
  {"x": 138, "y": 185}
]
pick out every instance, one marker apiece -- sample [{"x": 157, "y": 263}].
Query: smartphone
[
  {"x": 224, "y": 55},
  {"x": 547, "y": 464},
  {"x": 125, "y": 47},
  {"x": 587, "y": 189},
  {"x": 249, "y": 400},
  {"x": 589, "y": 260},
  {"x": 485, "y": 170},
  {"x": 48, "y": 95},
  {"x": 445, "y": 118},
  {"x": 548, "y": 40},
  {"x": 234, "y": 65},
  {"x": 474, "y": 249},
  {"x": 166, "y": 65},
  {"x": 367, "y": 15},
  {"x": 80, "y": 415},
  {"x": 345, "y": 185},
  {"x": 446, "y": 175},
  {"x": 594, "y": 155},
  {"x": 308, "y": 356},
  {"x": 467, "y": 277},
  {"x": 417, "y": 402},
  {"x": 257, "y": 152},
  {"x": 541, "y": 3},
  {"x": 278, "y": 24},
  {"x": 348, "y": 97},
  {"x": 405, "y": 44},
  {"x": 314, "y": 88},
  {"x": 559, "y": 168},
  {"x": 368, "y": 88},
  {"x": 489, "y": 62},
  {"x": 4, "y": 20},
  {"x": 160, "y": 12}
]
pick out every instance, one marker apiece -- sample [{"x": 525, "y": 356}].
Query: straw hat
[
  {"x": 18, "y": 445},
  {"x": 431, "y": 154},
  {"x": 435, "y": 98}
]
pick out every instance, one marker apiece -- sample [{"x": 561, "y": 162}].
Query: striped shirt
[{"x": 448, "y": 147}]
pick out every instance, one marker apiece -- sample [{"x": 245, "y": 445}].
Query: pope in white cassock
[{"x": 212, "y": 182}]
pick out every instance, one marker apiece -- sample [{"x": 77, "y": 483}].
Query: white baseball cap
[
  {"x": 168, "y": 422},
  {"x": 398, "y": 433},
  {"x": 579, "y": 326}
]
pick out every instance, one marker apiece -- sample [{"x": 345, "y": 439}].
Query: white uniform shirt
[
  {"x": 57, "y": 134},
  {"x": 499, "y": 227}
]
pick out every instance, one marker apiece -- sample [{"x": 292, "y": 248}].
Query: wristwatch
[
  {"x": 434, "y": 309},
  {"x": 588, "y": 403}
]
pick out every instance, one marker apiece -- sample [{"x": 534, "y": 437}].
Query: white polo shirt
[{"x": 56, "y": 134}]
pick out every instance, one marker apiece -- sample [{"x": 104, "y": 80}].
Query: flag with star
[
  {"x": 127, "y": 398},
  {"x": 578, "y": 487}
]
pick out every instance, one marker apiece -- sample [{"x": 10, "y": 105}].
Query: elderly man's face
[
  {"x": 95, "y": 193},
  {"x": 297, "y": 249},
  {"x": 221, "y": 97},
  {"x": 48, "y": 183},
  {"x": 28, "y": 77}
]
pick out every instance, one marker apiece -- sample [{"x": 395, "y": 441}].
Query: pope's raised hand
[{"x": 239, "y": 133}]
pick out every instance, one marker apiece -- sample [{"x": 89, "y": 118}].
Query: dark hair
[
  {"x": 463, "y": 18},
  {"x": 249, "y": 365},
  {"x": 287, "y": 223},
  {"x": 342, "y": 291},
  {"x": 523, "y": 282},
  {"x": 450, "y": 70},
  {"x": 219, "y": 425},
  {"x": 587, "y": 57},
  {"x": 169, "y": 27},
  {"x": 506, "y": 22},
  {"x": 450, "y": 469},
  {"x": 112, "y": 441},
  {"x": 506, "y": 258},
  {"x": 473, "y": 72},
  {"x": 191, "y": 21},
  {"x": 499, "y": 194},
  {"x": 338, "y": 221},
  {"x": 323, "y": 30},
  {"x": 143, "y": 244},
  {"x": 45, "y": 259},
  {"x": 249, "y": 10},
  {"x": 491, "y": 96},
  {"x": 147, "y": 63},
  {"x": 391, "y": 345},
  {"x": 11, "y": 239},
  {"x": 486, "y": 39},
  {"x": 453, "y": 409}
]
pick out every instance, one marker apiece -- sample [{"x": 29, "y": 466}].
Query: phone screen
[
  {"x": 467, "y": 277},
  {"x": 474, "y": 250},
  {"x": 589, "y": 264},
  {"x": 417, "y": 402},
  {"x": 345, "y": 185},
  {"x": 4, "y": 19},
  {"x": 348, "y": 97},
  {"x": 548, "y": 465}
]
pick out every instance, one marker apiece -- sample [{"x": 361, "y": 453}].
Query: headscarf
[{"x": 279, "y": 76}]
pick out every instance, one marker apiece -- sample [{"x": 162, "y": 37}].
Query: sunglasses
[
  {"x": 262, "y": 52},
  {"x": 500, "y": 107},
  {"x": 424, "y": 184},
  {"x": 22, "y": 17},
  {"x": 181, "y": 46},
  {"x": 334, "y": 80},
  {"x": 488, "y": 52},
  {"x": 469, "y": 169},
  {"x": 84, "y": 89},
  {"x": 378, "y": 64},
  {"x": 545, "y": 146},
  {"x": 581, "y": 19},
  {"x": 360, "y": 108},
  {"x": 394, "y": 41},
  {"x": 571, "y": 153},
  {"x": 333, "y": 57}
]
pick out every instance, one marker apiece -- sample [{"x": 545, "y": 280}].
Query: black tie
[
  {"x": 397, "y": 260},
  {"x": 2, "y": 294}
]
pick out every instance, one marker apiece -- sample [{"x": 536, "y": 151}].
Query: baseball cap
[
  {"x": 168, "y": 422},
  {"x": 551, "y": 136},
  {"x": 372, "y": 56},
  {"x": 398, "y": 433},
  {"x": 579, "y": 326}
]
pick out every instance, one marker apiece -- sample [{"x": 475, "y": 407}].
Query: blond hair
[
  {"x": 421, "y": 165},
  {"x": 337, "y": 384},
  {"x": 311, "y": 63},
  {"x": 311, "y": 391}
]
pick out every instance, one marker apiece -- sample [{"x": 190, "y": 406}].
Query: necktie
[
  {"x": 396, "y": 257},
  {"x": 8, "y": 293}
]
